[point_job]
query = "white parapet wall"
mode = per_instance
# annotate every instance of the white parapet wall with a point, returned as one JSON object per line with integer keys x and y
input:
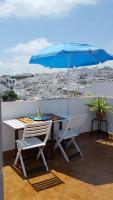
{"x": 11, "y": 110}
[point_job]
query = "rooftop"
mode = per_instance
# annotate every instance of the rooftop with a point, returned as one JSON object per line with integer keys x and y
{"x": 89, "y": 177}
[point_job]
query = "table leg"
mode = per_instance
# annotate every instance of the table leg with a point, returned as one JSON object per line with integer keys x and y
{"x": 92, "y": 126}
{"x": 107, "y": 134}
{"x": 52, "y": 140}
{"x": 16, "y": 137}
{"x": 106, "y": 127}
{"x": 60, "y": 125}
{"x": 98, "y": 125}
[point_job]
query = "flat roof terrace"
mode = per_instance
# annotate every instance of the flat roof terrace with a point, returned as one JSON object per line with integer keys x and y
{"x": 89, "y": 177}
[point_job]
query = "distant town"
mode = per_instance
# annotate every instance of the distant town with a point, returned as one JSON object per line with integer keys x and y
{"x": 85, "y": 82}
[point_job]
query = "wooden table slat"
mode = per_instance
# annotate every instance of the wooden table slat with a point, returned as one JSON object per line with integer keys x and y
{"x": 14, "y": 123}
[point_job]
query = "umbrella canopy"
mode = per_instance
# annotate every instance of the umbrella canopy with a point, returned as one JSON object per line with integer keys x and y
{"x": 69, "y": 55}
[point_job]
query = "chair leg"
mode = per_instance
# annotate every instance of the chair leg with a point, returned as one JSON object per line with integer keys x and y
{"x": 43, "y": 158}
{"x": 23, "y": 166}
{"x": 38, "y": 155}
{"x": 17, "y": 156}
{"x": 57, "y": 143}
{"x": 76, "y": 146}
{"x": 63, "y": 153}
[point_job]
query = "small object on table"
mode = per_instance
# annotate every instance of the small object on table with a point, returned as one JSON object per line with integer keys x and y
{"x": 25, "y": 120}
{"x": 39, "y": 118}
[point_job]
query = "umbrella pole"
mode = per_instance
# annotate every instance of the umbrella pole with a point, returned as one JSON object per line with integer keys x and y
{"x": 68, "y": 83}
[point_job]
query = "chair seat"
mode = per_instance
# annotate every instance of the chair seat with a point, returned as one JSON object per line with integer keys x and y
{"x": 30, "y": 143}
{"x": 70, "y": 133}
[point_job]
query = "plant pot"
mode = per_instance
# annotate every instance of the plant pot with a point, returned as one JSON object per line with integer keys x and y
{"x": 100, "y": 115}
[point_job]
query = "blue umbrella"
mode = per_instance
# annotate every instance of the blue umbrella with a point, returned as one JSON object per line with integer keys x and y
{"x": 69, "y": 55}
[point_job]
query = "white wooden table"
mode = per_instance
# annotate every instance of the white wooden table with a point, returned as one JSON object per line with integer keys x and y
{"x": 17, "y": 125}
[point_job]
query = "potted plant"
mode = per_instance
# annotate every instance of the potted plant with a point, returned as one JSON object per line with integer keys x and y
{"x": 100, "y": 106}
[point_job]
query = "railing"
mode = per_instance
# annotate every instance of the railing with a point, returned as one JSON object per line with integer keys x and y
{"x": 12, "y": 110}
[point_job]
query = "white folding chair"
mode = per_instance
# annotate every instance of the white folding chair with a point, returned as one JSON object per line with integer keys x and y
{"x": 70, "y": 131}
{"x": 30, "y": 140}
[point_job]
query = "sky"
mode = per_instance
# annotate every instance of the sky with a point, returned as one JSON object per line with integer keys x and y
{"x": 26, "y": 26}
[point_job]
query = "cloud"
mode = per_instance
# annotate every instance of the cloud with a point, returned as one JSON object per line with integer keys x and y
{"x": 11, "y": 68}
{"x": 21, "y": 54}
{"x": 36, "y": 8}
{"x": 30, "y": 47}
{"x": 18, "y": 66}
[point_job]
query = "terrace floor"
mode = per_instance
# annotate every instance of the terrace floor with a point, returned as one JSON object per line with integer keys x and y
{"x": 89, "y": 177}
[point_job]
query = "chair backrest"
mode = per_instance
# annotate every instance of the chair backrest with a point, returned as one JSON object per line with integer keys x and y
{"x": 76, "y": 122}
{"x": 37, "y": 129}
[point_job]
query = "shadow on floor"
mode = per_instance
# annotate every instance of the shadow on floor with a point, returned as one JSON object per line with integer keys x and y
{"x": 50, "y": 180}
{"x": 95, "y": 167}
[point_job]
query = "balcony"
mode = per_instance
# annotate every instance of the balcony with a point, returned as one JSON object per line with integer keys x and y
{"x": 89, "y": 177}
